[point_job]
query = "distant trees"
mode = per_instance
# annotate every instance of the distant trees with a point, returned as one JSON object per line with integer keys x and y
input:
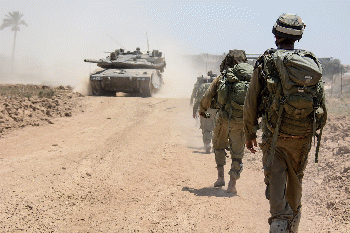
{"x": 332, "y": 66}
{"x": 14, "y": 21}
{"x": 333, "y": 72}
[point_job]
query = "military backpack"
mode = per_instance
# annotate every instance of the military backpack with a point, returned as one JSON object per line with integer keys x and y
{"x": 293, "y": 96}
{"x": 293, "y": 88}
{"x": 233, "y": 88}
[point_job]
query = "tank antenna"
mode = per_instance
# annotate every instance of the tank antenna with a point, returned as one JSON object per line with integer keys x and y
{"x": 116, "y": 41}
{"x": 147, "y": 42}
{"x": 206, "y": 64}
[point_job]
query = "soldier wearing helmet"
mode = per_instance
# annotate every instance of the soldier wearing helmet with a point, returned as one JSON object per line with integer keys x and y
{"x": 286, "y": 139}
{"x": 233, "y": 58}
{"x": 206, "y": 124}
{"x": 196, "y": 86}
{"x": 228, "y": 131}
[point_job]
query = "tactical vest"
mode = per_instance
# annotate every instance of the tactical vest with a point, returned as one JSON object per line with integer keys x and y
{"x": 292, "y": 92}
{"x": 233, "y": 88}
{"x": 202, "y": 89}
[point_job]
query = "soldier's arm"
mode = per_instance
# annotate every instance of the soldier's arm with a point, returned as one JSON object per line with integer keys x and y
{"x": 197, "y": 100}
{"x": 250, "y": 109}
{"x": 208, "y": 96}
{"x": 194, "y": 91}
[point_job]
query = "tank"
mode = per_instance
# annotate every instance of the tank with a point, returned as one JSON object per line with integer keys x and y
{"x": 128, "y": 72}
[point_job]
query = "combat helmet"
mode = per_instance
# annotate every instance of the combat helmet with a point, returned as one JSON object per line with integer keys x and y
{"x": 289, "y": 26}
{"x": 232, "y": 58}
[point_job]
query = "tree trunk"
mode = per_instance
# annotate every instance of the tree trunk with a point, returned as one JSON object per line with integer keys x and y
{"x": 13, "y": 53}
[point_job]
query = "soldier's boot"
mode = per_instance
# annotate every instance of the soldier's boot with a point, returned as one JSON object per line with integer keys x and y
{"x": 231, "y": 188}
{"x": 279, "y": 226}
{"x": 294, "y": 225}
{"x": 221, "y": 177}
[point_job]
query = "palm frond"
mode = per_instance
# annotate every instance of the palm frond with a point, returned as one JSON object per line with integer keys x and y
{"x": 13, "y": 20}
{"x": 22, "y": 22}
{"x": 5, "y": 24}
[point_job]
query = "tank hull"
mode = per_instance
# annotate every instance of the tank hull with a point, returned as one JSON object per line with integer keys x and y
{"x": 109, "y": 81}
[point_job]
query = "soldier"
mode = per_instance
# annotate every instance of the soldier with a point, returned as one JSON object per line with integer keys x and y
{"x": 113, "y": 56}
{"x": 228, "y": 61}
{"x": 228, "y": 131}
{"x": 137, "y": 51}
{"x": 195, "y": 88}
{"x": 206, "y": 124}
{"x": 286, "y": 91}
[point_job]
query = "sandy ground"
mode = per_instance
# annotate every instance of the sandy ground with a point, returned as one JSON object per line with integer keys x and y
{"x": 129, "y": 164}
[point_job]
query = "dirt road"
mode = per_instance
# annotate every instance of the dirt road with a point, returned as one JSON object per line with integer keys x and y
{"x": 125, "y": 165}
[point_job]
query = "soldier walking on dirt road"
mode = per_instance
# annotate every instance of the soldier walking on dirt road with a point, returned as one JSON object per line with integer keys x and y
{"x": 206, "y": 124}
{"x": 286, "y": 92}
{"x": 229, "y": 90}
{"x": 195, "y": 89}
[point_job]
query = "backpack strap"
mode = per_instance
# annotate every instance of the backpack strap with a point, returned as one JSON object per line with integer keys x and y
{"x": 223, "y": 80}
{"x": 229, "y": 109}
{"x": 275, "y": 134}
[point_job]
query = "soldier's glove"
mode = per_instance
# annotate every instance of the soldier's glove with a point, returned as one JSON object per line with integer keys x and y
{"x": 204, "y": 115}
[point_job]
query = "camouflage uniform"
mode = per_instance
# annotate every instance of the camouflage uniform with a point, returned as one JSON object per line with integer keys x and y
{"x": 289, "y": 160}
{"x": 283, "y": 178}
{"x": 228, "y": 133}
{"x": 195, "y": 88}
{"x": 206, "y": 124}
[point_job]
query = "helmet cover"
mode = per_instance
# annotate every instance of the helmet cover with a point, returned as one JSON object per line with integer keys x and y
{"x": 289, "y": 26}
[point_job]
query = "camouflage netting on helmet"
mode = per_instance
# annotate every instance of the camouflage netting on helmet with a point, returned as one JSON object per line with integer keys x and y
{"x": 289, "y": 26}
{"x": 232, "y": 58}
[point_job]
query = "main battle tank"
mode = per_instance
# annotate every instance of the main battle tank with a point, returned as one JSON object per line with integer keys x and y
{"x": 128, "y": 72}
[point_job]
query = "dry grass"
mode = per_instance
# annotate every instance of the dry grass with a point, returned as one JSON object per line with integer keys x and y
{"x": 29, "y": 91}
{"x": 338, "y": 105}
{"x": 338, "y": 94}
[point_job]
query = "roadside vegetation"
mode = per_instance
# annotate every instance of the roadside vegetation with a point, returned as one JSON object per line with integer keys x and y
{"x": 23, "y": 105}
{"x": 30, "y": 91}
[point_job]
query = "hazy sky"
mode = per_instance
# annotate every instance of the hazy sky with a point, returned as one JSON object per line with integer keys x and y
{"x": 60, "y": 34}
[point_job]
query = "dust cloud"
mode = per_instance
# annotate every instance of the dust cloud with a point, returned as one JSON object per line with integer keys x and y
{"x": 181, "y": 71}
{"x": 30, "y": 70}
{"x": 63, "y": 64}
{"x": 84, "y": 87}
{"x": 179, "y": 77}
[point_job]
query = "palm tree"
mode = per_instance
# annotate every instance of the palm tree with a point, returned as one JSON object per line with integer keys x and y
{"x": 13, "y": 20}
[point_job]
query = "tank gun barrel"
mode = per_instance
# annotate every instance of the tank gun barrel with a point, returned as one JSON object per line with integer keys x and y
{"x": 96, "y": 61}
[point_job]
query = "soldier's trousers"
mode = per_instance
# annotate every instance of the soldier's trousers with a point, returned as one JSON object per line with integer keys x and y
{"x": 207, "y": 125}
{"x": 229, "y": 134}
{"x": 283, "y": 178}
